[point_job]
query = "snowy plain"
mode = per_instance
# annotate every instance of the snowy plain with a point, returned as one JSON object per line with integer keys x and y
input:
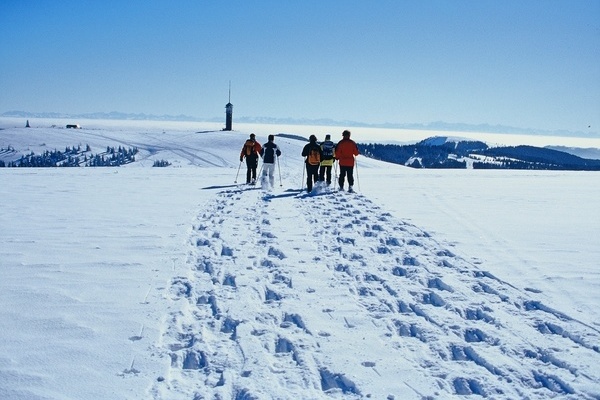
{"x": 179, "y": 283}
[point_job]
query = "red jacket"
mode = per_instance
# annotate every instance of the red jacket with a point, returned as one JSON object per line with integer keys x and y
{"x": 345, "y": 151}
{"x": 256, "y": 149}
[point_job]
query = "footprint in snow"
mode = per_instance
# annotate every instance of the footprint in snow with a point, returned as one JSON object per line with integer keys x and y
{"x": 273, "y": 252}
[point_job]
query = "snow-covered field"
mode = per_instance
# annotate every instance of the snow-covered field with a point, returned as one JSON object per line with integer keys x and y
{"x": 176, "y": 283}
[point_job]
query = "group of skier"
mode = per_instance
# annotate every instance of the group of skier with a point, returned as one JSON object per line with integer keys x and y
{"x": 319, "y": 159}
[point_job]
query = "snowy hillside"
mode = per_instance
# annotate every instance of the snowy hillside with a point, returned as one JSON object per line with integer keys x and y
{"x": 448, "y": 152}
{"x": 176, "y": 283}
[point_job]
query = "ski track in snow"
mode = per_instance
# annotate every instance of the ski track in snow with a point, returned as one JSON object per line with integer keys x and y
{"x": 237, "y": 327}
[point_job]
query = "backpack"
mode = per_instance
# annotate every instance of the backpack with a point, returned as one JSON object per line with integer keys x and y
{"x": 314, "y": 156}
{"x": 249, "y": 147}
{"x": 327, "y": 150}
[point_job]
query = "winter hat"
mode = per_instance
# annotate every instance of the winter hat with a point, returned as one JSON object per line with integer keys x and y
{"x": 312, "y": 138}
{"x": 252, "y": 136}
{"x": 346, "y": 133}
{"x": 327, "y": 137}
{"x": 271, "y": 138}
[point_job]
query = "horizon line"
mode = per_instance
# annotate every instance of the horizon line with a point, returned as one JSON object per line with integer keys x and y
{"x": 435, "y": 125}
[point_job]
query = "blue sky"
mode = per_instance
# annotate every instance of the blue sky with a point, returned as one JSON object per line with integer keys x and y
{"x": 530, "y": 64}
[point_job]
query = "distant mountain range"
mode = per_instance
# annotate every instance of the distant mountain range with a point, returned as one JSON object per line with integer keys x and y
{"x": 446, "y": 152}
{"x": 434, "y": 126}
{"x": 114, "y": 115}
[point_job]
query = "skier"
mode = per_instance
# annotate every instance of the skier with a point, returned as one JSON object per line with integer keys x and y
{"x": 250, "y": 151}
{"x": 268, "y": 153}
{"x": 313, "y": 153}
{"x": 345, "y": 152}
{"x": 328, "y": 149}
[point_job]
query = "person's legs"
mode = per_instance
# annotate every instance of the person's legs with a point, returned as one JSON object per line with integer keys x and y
{"x": 351, "y": 176}
{"x": 342, "y": 177}
{"x": 254, "y": 165}
{"x": 315, "y": 174}
{"x": 270, "y": 172}
{"x": 249, "y": 170}
{"x": 328, "y": 174}
{"x": 309, "y": 178}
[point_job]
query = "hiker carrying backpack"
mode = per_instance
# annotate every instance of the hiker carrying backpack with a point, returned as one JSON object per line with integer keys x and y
{"x": 250, "y": 152}
{"x": 314, "y": 154}
{"x": 328, "y": 148}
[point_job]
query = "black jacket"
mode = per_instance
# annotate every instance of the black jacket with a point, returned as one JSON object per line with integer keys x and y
{"x": 269, "y": 151}
{"x": 312, "y": 145}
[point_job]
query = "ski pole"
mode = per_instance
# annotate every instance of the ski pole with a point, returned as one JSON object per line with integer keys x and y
{"x": 357, "y": 180}
{"x": 259, "y": 176}
{"x": 335, "y": 174}
{"x": 260, "y": 170}
{"x": 238, "y": 172}
{"x": 303, "y": 168}
{"x": 279, "y": 169}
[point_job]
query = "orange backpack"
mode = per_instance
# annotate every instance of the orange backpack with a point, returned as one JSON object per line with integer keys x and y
{"x": 314, "y": 157}
{"x": 249, "y": 147}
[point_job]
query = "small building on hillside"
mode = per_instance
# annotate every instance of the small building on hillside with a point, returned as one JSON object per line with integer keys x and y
{"x": 73, "y": 126}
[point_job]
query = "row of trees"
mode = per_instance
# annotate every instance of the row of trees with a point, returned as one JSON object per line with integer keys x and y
{"x": 531, "y": 157}
{"x": 161, "y": 163}
{"x": 113, "y": 157}
{"x": 6, "y": 152}
{"x": 450, "y": 155}
{"x": 76, "y": 157}
{"x": 416, "y": 156}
